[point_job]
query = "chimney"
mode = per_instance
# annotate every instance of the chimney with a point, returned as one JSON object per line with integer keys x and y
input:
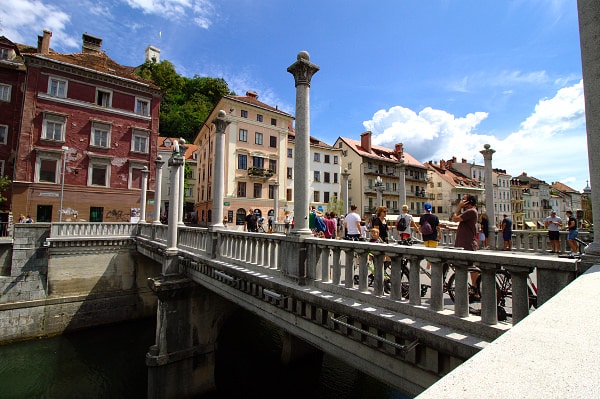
{"x": 252, "y": 94}
{"x": 399, "y": 150}
{"x": 365, "y": 141}
{"x": 90, "y": 44}
{"x": 453, "y": 159}
{"x": 44, "y": 42}
{"x": 464, "y": 160}
{"x": 442, "y": 164}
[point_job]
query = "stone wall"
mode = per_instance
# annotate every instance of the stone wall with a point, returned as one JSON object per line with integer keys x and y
{"x": 71, "y": 285}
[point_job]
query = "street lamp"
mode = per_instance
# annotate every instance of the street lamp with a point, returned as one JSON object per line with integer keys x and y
{"x": 62, "y": 183}
{"x": 379, "y": 189}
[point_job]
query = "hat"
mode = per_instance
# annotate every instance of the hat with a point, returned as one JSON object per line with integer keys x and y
{"x": 427, "y": 206}
{"x": 553, "y": 212}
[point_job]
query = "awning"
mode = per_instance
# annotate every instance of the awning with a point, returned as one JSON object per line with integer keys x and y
{"x": 531, "y": 225}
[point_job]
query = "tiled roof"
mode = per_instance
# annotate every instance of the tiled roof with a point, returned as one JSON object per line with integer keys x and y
{"x": 189, "y": 152}
{"x": 313, "y": 140}
{"x": 453, "y": 177}
{"x": 252, "y": 99}
{"x": 381, "y": 153}
{"x": 97, "y": 61}
{"x": 563, "y": 187}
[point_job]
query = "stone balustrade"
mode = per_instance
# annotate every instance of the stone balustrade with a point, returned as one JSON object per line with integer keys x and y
{"x": 85, "y": 229}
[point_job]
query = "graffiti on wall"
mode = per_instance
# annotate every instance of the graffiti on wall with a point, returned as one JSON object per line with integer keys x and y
{"x": 116, "y": 215}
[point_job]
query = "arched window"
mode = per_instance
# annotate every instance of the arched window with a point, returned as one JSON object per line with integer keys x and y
{"x": 240, "y": 216}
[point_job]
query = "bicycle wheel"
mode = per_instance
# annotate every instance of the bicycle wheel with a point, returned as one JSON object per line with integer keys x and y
{"x": 473, "y": 290}
{"x": 504, "y": 291}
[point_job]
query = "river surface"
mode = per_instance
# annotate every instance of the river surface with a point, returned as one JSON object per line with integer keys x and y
{"x": 109, "y": 362}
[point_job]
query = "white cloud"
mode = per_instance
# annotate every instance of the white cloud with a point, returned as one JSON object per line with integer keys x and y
{"x": 501, "y": 79}
{"x": 550, "y": 144}
{"x": 200, "y": 11}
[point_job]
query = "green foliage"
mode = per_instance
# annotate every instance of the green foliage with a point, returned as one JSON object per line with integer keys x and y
{"x": 186, "y": 102}
{"x": 336, "y": 205}
{"x": 5, "y": 183}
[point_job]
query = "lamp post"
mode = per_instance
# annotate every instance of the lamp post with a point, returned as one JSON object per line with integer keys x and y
{"x": 379, "y": 189}
{"x": 64, "y": 149}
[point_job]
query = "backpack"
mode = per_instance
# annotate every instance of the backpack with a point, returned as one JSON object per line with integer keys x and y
{"x": 402, "y": 223}
{"x": 320, "y": 224}
{"x": 426, "y": 228}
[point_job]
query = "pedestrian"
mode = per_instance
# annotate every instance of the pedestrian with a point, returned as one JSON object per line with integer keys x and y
{"x": 250, "y": 223}
{"x": 28, "y": 219}
{"x": 572, "y": 231}
{"x": 312, "y": 215}
{"x": 270, "y": 223}
{"x": 506, "y": 229}
{"x": 352, "y": 224}
{"x": 363, "y": 230}
{"x": 286, "y": 222}
{"x": 330, "y": 225}
{"x": 466, "y": 216}
{"x": 381, "y": 223}
{"x": 21, "y": 218}
{"x": 429, "y": 226}
{"x": 404, "y": 223}
{"x": 485, "y": 229}
{"x": 553, "y": 223}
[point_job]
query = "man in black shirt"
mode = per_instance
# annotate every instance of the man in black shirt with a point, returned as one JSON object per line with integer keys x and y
{"x": 250, "y": 224}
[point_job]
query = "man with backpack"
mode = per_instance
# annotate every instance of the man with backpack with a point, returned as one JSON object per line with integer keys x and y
{"x": 429, "y": 226}
{"x": 404, "y": 222}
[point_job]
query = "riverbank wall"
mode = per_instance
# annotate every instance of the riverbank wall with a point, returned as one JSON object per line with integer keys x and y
{"x": 83, "y": 283}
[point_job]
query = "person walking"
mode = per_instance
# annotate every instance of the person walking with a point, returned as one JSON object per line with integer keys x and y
{"x": 352, "y": 224}
{"x": 466, "y": 216}
{"x": 572, "y": 231}
{"x": 485, "y": 229}
{"x": 404, "y": 223}
{"x": 429, "y": 226}
{"x": 506, "y": 229}
{"x": 286, "y": 222}
{"x": 251, "y": 222}
{"x": 381, "y": 223}
{"x": 553, "y": 223}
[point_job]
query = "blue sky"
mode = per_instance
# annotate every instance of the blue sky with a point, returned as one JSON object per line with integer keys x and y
{"x": 444, "y": 77}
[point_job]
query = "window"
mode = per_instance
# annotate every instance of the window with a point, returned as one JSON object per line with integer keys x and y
{"x": 54, "y": 127}
{"x": 257, "y": 190}
{"x": 100, "y": 135}
{"x": 47, "y": 167}
{"x": 326, "y": 160}
{"x": 244, "y": 113}
{"x": 241, "y": 189}
{"x": 340, "y": 145}
{"x": 272, "y": 191}
{"x": 103, "y": 97}
{"x": 288, "y": 194}
{"x": 135, "y": 172}
{"x": 96, "y": 213}
{"x": 349, "y": 165}
{"x": 258, "y": 162}
{"x": 273, "y": 141}
{"x": 326, "y": 197}
{"x": 57, "y": 87}
{"x": 258, "y": 138}
{"x": 243, "y": 135}
{"x": 99, "y": 172}
{"x": 259, "y": 118}
{"x": 189, "y": 191}
{"x": 369, "y": 165}
{"x": 242, "y": 161}
{"x": 290, "y": 153}
{"x": 335, "y": 159}
{"x": 139, "y": 141}
{"x": 3, "y": 53}
{"x": 3, "y": 134}
{"x": 335, "y": 177}
{"x": 317, "y": 157}
{"x": 5, "y": 92}
{"x": 289, "y": 173}
{"x": 273, "y": 165}
{"x": 273, "y": 122}
{"x": 316, "y": 196}
{"x": 142, "y": 107}
{"x": 349, "y": 185}
{"x": 326, "y": 178}
{"x": 317, "y": 176}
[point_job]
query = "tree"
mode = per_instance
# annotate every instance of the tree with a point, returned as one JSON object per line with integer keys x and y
{"x": 5, "y": 183}
{"x": 187, "y": 102}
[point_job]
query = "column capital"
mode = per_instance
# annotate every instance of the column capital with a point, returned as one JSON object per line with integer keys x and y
{"x": 159, "y": 162}
{"x": 487, "y": 152}
{"x": 303, "y": 70}
{"x": 145, "y": 172}
{"x": 221, "y": 121}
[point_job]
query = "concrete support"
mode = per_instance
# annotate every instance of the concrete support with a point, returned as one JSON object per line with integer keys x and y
{"x": 145, "y": 173}
{"x": 170, "y": 259}
{"x": 401, "y": 183}
{"x": 589, "y": 34}
{"x": 158, "y": 189}
{"x": 303, "y": 70}
{"x": 221, "y": 124}
{"x": 181, "y": 199}
{"x": 487, "y": 153}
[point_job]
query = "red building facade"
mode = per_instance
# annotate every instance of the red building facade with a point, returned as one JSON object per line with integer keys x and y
{"x": 89, "y": 126}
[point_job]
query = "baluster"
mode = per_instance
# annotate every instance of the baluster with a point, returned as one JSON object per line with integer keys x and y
{"x": 273, "y": 257}
{"x": 337, "y": 269}
{"x": 489, "y": 298}
{"x": 461, "y": 288}
{"x": 414, "y": 277}
{"x": 436, "y": 302}
{"x": 378, "y": 273}
{"x": 396, "y": 291}
{"x": 363, "y": 270}
{"x": 325, "y": 263}
{"x": 349, "y": 268}
{"x": 520, "y": 293}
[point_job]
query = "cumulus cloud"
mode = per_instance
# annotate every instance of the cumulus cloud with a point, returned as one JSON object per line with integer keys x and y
{"x": 200, "y": 11}
{"x": 550, "y": 144}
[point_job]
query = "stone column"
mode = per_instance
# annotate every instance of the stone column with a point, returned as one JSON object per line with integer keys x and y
{"x": 345, "y": 176}
{"x": 170, "y": 258}
{"x": 487, "y": 153}
{"x": 589, "y": 34}
{"x": 158, "y": 189}
{"x": 303, "y": 70}
{"x": 145, "y": 173}
{"x": 181, "y": 200}
{"x": 218, "y": 185}
{"x": 401, "y": 183}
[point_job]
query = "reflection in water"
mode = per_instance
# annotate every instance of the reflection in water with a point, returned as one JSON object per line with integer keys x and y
{"x": 109, "y": 362}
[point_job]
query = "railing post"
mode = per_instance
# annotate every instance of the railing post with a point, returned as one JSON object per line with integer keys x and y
{"x": 378, "y": 273}
{"x": 520, "y": 293}
{"x": 489, "y": 299}
{"x": 349, "y": 268}
{"x": 436, "y": 302}
{"x": 414, "y": 277}
{"x": 461, "y": 288}
{"x": 337, "y": 270}
{"x": 396, "y": 291}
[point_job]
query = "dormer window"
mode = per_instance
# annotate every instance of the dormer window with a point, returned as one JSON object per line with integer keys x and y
{"x": 3, "y": 53}
{"x": 103, "y": 97}
{"x": 167, "y": 143}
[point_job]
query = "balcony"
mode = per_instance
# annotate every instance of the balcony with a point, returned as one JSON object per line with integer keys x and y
{"x": 259, "y": 173}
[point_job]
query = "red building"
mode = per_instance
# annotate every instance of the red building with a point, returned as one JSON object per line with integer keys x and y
{"x": 88, "y": 126}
